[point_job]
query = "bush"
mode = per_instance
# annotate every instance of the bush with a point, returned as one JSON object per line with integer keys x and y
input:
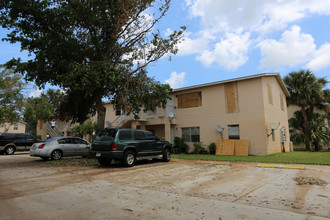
{"x": 212, "y": 148}
{"x": 180, "y": 146}
{"x": 198, "y": 148}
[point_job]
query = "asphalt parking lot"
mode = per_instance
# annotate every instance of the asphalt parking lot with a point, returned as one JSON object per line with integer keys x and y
{"x": 30, "y": 189}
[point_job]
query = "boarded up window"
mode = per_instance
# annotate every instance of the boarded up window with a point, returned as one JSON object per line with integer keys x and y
{"x": 270, "y": 94}
{"x": 190, "y": 100}
{"x": 231, "y": 93}
{"x": 282, "y": 102}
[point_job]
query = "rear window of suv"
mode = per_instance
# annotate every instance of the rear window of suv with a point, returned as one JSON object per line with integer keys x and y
{"x": 107, "y": 134}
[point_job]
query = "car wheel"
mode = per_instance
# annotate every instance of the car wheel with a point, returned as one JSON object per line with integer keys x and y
{"x": 129, "y": 159}
{"x": 56, "y": 155}
{"x": 10, "y": 150}
{"x": 104, "y": 161}
{"x": 166, "y": 155}
{"x": 44, "y": 158}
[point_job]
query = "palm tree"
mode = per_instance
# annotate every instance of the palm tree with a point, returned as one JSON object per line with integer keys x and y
{"x": 307, "y": 92}
{"x": 318, "y": 128}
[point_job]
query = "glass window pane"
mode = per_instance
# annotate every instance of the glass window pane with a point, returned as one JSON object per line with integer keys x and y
{"x": 233, "y": 132}
{"x": 125, "y": 135}
{"x": 139, "y": 135}
{"x": 185, "y": 131}
{"x": 195, "y": 131}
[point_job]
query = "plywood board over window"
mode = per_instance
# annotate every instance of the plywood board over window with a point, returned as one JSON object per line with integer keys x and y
{"x": 189, "y": 100}
{"x": 282, "y": 101}
{"x": 270, "y": 94}
{"x": 231, "y": 93}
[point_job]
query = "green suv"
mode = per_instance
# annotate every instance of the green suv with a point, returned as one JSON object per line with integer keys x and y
{"x": 128, "y": 145}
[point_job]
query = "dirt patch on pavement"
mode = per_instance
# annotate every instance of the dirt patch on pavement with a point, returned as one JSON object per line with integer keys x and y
{"x": 304, "y": 180}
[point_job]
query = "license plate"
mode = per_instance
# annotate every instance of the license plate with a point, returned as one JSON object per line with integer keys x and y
{"x": 98, "y": 154}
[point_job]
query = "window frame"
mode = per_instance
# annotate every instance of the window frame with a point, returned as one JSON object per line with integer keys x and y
{"x": 188, "y": 132}
{"x": 233, "y": 136}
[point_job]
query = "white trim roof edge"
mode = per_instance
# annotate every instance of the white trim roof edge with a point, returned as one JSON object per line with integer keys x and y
{"x": 277, "y": 75}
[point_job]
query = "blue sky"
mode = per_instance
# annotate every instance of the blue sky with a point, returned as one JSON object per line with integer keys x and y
{"x": 228, "y": 39}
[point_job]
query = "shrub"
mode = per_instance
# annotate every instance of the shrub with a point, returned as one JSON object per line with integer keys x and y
{"x": 212, "y": 148}
{"x": 198, "y": 148}
{"x": 180, "y": 146}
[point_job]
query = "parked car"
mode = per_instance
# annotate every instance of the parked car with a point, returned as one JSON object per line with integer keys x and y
{"x": 11, "y": 142}
{"x": 59, "y": 147}
{"x": 128, "y": 145}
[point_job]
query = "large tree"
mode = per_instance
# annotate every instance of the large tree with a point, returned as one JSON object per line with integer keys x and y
{"x": 308, "y": 93}
{"x": 93, "y": 49}
{"x": 36, "y": 108}
{"x": 11, "y": 96}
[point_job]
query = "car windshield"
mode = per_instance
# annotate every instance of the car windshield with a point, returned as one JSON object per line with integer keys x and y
{"x": 107, "y": 134}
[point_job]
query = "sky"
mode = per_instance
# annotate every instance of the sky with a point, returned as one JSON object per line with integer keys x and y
{"x": 227, "y": 39}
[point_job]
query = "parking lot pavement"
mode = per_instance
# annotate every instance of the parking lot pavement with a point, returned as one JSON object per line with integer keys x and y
{"x": 30, "y": 189}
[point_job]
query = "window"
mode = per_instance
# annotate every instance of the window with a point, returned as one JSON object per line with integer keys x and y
{"x": 79, "y": 141}
{"x": 16, "y": 127}
{"x": 270, "y": 94}
{"x": 65, "y": 141}
{"x": 282, "y": 101}
{"x": 231, "y": 93}
{"x": 118, "y": 111}
{"x": 190, "y": 100}
{"x": 20, "y": 137}
{"x": 233, "y": 132}
{"x": 139, "y": 135}
{"x": 125, "y": 135}
{"x": 190, "y": 134}
{"x": 30, "y": 138}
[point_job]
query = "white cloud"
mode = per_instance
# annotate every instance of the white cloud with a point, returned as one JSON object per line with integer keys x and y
{"x": 36, "y": 93}
{"x": 261, "y": 21}
{"x": 293, "y": 48}
{"x": 176, "y": 80}
{"x": 229, "y": 53}
{"x": 256, "y": 15}
{"x": 321, "y": 58}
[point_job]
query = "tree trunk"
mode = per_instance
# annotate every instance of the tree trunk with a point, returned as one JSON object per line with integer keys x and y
{"x": 306, "y": 129}
{"x": 100, "y": 114}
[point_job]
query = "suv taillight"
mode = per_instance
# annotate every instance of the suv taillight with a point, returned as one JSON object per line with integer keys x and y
{"x": 41, "y": 146}
{"x": 114, "y": 146}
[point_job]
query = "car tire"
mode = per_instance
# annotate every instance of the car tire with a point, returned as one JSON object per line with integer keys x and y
{"x": 10, "y": 150}
{"x": 44, "y": 158}
{"x": 129, "y": 159}
{"x": 104, "y": 161}
{"x": 166, "y": 155}
{"x": 56, "y": 155}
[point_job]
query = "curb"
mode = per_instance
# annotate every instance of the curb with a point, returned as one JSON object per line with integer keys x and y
{"x": 283, "y": 166}
{"x": 201, "y": 162}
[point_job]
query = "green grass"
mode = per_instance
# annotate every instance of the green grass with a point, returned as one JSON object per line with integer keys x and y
{"x": 299, "y": 157}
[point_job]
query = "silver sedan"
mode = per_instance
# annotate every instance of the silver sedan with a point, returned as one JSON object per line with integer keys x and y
{"x": 59, "y": 147}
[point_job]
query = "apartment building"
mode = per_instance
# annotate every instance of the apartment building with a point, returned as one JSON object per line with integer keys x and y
{"x": 18, "y": 127}
{"x": 248, "y": 108}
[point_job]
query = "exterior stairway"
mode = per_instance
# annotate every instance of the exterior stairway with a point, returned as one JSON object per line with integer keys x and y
{"x": 53, "y": 132}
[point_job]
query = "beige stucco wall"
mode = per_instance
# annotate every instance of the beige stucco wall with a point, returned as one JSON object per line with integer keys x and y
{"x": 274, "y": 114}
{"x": 20, "y": 128}
{"x": 250, "y": 117}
